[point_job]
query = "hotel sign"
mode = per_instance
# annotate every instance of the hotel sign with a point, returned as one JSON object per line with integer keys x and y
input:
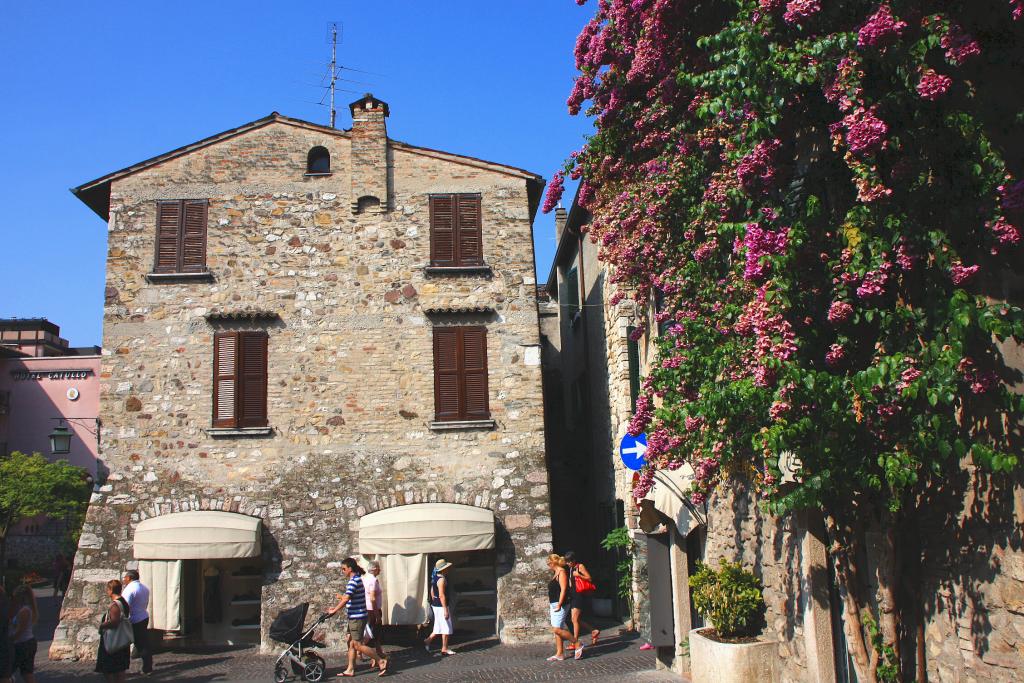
{"x": 20, "y": 375}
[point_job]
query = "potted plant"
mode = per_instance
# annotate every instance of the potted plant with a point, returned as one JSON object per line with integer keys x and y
{"x": 729, "y": 651}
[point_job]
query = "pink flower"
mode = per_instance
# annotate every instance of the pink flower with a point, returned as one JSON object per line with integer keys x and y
{"x": 799, "y": 11}
{"x": 555, "y": 190}
{"x": 835, "y": 355}
{"x": 961, "y": 274}
{"x": 778, "y": 409}
{"x": 865, "y": 132}
{"x": 873, "y": 284}
{"x": 881, "y": 29}
{"x": 933, "y": 85}
{"x": 1018, "y": 9}
{"x": 839, "y": 312}
{"x": 642, "y": 415}
{"x": 1006, "y": 233}
{"x": 772, "y": 5}
{"x": 756, "y": 171}
{"x": 908, "y": 376}
{"x": 705, "y": 251}
{"x": 759, "y": 243}
{"x": 959, "y": 46}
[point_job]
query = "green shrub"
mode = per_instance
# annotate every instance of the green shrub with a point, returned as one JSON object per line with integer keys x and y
{"x": 729, "y": 598}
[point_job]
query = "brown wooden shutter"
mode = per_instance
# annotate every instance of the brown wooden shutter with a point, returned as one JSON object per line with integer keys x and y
{"x": 168, "y": 233}
{"x": 193, "y": 237}
{"x": 252, "y": 402}
{"x": 474, "y": 373}
{"x": 470, "y": 250}
{"x": 225, "y": 379}
{"x": 446, "y": 374}
{"x": 442, "y": 230}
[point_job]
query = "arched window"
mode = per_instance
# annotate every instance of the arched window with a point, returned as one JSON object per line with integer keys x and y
{"x": 318, "y": 161}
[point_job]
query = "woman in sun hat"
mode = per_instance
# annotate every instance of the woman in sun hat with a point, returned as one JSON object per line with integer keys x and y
{"x": 440, "y": 605}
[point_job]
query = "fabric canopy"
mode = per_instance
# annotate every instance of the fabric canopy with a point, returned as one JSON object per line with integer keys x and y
{"x": 405, "y": 589}
{"x": 671, "y": 488}
{"x": 163, "y": 577}
{"x": 426, "y": 528}
{"x": 197, "y": 535}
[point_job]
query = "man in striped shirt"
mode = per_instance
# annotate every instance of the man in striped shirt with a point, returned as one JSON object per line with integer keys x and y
{"x": 354, "y": 602}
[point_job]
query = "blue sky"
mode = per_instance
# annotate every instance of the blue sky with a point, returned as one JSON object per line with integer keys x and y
{"x": 90, "y": 88}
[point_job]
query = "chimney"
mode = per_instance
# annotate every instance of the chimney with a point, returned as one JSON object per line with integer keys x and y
{"x": 561, "y": 216}
{"x": 369, "y": 166}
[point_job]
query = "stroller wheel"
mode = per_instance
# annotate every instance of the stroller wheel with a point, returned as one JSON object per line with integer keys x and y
{"x": 280, "y": 673}
{"x": 314, "y": 667}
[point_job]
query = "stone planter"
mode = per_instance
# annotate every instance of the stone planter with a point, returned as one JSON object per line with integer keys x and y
{"x": 715, "y": 662}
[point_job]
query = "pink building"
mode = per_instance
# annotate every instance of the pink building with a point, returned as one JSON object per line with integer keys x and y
{"x": 46, "y": 384}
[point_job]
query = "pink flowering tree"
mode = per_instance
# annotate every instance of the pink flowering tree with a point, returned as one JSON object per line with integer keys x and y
{"x": 826, "y": 201}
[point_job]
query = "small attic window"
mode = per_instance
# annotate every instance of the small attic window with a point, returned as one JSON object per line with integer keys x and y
{"x": 318, "y": 162}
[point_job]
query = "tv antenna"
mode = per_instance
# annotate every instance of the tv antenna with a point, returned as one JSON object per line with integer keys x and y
{"x": 334, "y": 67}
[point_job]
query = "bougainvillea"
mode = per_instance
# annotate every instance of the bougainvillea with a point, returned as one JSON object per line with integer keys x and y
{"x": 821, "y": 200}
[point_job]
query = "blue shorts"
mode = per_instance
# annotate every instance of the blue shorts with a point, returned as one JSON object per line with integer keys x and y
{"x": 559, "y": 616}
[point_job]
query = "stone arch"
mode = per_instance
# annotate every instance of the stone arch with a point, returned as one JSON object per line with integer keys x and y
{"x": 233, "y": 503}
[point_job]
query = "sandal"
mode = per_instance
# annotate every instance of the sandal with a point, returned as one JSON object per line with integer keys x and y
{"x": 579, "y": 652}
{"x": 383, "y": 668}
{"x": 555, "y": 658}
{"x": 447, "y": 653}
{"x": 593, "y": 636}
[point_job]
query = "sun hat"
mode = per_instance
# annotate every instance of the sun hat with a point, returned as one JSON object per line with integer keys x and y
{"x": 441, "y": 565}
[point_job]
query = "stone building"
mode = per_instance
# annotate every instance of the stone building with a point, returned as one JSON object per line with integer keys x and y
{"x": 970, "y": 580}
{"x": 317, "y": 343}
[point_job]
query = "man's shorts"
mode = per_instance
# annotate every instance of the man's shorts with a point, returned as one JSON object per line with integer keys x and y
{"x": 356, "y": 628}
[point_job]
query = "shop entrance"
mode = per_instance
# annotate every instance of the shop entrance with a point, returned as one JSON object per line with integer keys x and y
{"x": 408, "y": 540}
{"x": 205, "y": 576}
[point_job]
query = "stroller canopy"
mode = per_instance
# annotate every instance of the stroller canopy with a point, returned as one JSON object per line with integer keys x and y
{"x": 287, "y": 625}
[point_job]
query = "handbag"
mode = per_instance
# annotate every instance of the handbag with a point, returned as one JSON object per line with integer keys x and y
{"x": 120, "y": 637}
{"x": 582, "y": 585}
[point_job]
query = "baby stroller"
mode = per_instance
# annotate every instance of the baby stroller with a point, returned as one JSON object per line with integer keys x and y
{"x": 305, "y": 664}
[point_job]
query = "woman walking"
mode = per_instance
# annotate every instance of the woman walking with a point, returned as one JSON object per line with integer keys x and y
{"x": 113, "y": 665}
{"x": 440, "y": 605}
{"x": 578, "y": 603}
{"x": 25, "y": 614}
{"x": 558, "y": 596}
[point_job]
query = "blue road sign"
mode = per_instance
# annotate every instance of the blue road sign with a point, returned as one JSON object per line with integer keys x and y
{"x": 633, "y": 451}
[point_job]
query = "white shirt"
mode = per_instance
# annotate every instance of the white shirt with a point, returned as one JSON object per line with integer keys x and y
{"x": 373, "y": 591}
{"x": 137, "y": 597}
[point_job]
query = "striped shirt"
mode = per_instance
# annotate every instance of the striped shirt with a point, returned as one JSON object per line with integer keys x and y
{"x": 355, "y": 608}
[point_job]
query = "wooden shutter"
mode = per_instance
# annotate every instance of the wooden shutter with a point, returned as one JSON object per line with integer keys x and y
{"x": 474, "y": 373}
{"x": 193, "y": 237}
{"x": 469, "y": 250}
{"x": 225, "y": 379}
{"x": 168, "y": 232}
{"x": 442, "y": 230}
{"x": 252, "y": 402}
{"x": 446, "y": 374}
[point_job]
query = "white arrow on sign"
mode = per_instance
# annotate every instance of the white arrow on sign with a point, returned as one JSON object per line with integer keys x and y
{"x": 637, "y": 449}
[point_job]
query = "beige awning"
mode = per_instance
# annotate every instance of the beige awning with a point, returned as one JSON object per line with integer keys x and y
{"x": 671, "y": 488}
{"x": 426, "y": 528}
{"x": 197, "y": 535}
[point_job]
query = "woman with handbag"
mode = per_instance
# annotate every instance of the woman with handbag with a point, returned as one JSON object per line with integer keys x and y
{"x": 581, "y": 585}
{"x": 112, "y": 659}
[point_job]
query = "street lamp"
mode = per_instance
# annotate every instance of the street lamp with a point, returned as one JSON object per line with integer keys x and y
{"x": 60, "y": 440}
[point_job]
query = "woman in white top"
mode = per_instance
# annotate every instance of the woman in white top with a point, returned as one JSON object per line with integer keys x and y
{"x": 26, "y": 614}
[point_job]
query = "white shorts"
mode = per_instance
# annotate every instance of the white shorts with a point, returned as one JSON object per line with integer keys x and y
{"x": 442, "y": 626}
{"x": 558, "y": 615}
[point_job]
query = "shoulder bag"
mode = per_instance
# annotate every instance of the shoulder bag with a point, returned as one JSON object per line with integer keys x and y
{"x": 121, "y": 636}
{"x": 582, "y": 585}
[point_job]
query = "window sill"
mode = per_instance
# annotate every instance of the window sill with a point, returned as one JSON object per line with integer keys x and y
{"x": 218, "y": 432}
{"x": 317, "y": 175}
{"x": 484, "y": 270}
{"x": 205, "y": 276}
{"x": 454, "y": 425}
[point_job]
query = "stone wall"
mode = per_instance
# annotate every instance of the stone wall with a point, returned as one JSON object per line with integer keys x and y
{"x": 971, "y": 580}
{"x": 350, "y": 387}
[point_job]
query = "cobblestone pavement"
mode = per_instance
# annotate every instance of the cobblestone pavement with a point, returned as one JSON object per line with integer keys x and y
{"x": 615, "y": 659}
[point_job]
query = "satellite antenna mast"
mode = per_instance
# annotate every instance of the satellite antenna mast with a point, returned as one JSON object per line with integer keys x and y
{"x": 334, "y": 67}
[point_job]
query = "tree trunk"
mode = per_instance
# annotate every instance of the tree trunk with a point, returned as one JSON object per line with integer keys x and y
{"x": 888, "y": 589}
{"x": 844, "y": 554}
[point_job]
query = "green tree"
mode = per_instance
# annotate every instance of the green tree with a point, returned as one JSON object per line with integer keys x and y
{"x": 31, "y": 485}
